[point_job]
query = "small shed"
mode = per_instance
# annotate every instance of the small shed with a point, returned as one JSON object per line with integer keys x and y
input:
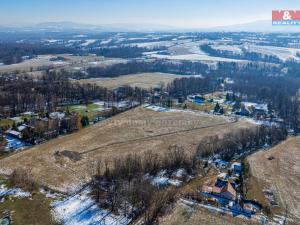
{"x": 236, "y": 168}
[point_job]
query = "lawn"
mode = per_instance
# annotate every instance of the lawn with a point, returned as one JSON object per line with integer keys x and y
{"x": 206, "y": 107}
{"x": 6, "y": 122}
{"x": 28, "y": 117}
{"x": 90, "y": 110}
{"x": 35, "y": 211}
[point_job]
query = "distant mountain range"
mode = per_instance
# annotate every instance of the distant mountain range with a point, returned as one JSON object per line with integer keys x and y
{"x": 104, "y": 27}
{"x": 257, "y": 26}
{"x": 71, "y": 26}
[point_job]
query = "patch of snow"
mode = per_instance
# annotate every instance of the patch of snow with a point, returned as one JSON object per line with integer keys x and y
{"x": 81, "y": 209}
{"x": 57, "y": 115}
{"x": 77, "y": 68}
{"x": 80, "y": 107}
{"x": 105, "y": 41}
{"x": 100, "y": 103}
{"x": 52, "y": 41}
{"x": 73, "y": 41}
{"x": 228, "y": 80}
{"x": 89, "y": 42}
{"x": 198, "y": 76}
{"x": 60, "y": 63}
{"x": 162, "y": 180}
{"x": 175, "y": 182}
{"x": 108, "y": 62}
{"x": 15, "y": 192}
{"x": 49, "y": 194}
{"x": 179, "y": 173}
{"x": 156, "y": 108}
{"x": 256, "y": 105}
{"x": 195, "y": 112}
{"x": 151, "y": 45}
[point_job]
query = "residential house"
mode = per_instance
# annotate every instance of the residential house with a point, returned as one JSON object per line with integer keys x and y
{"x": 221, "y": 188}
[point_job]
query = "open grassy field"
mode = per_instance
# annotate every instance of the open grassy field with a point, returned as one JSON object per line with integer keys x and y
{"x": 182, "y": 214}
{"x": 278, "y": 170}
{"x": 89, "y": 110}
{"x": 135, "y": 131}
{"x": 142, "y": 80}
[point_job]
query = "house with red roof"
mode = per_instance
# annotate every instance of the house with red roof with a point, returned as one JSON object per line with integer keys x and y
{"x": 222, "y": 189}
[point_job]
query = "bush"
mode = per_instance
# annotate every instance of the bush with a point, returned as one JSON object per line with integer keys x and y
{"x": 23, "y": 179}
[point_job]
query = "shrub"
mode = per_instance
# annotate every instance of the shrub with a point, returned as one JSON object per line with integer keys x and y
{"x": 23, "y": 179}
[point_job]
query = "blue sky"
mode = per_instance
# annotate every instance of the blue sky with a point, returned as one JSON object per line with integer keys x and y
{"x": 176, "y": 13}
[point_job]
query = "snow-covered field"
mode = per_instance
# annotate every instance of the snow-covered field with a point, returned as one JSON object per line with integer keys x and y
{"x": 153, "y": 44}
{"x": 195, "y": 57}
{"x": 104, "y": 42}
{"x": 107, "y": 62}
{"x": 52, "y": 40}
{"x": 81, "y": 209}
{"x": 282, "y": 53}
{"x": 230, "y": 48}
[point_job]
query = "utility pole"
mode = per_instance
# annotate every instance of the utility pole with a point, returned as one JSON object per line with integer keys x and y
{"x": 285, "y": 216}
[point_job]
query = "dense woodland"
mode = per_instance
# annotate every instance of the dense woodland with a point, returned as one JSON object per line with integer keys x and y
{"x": 244, "y": 55}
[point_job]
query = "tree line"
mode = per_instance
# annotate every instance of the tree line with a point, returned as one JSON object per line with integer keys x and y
{"x": 241, "y": 141}
{"x": 11, "y": 53}
{"x": 20, "y": 94}
{"x": 122, "y": 182}
{"x": 123, "y": 51}
{"x": 244, "y": 55}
